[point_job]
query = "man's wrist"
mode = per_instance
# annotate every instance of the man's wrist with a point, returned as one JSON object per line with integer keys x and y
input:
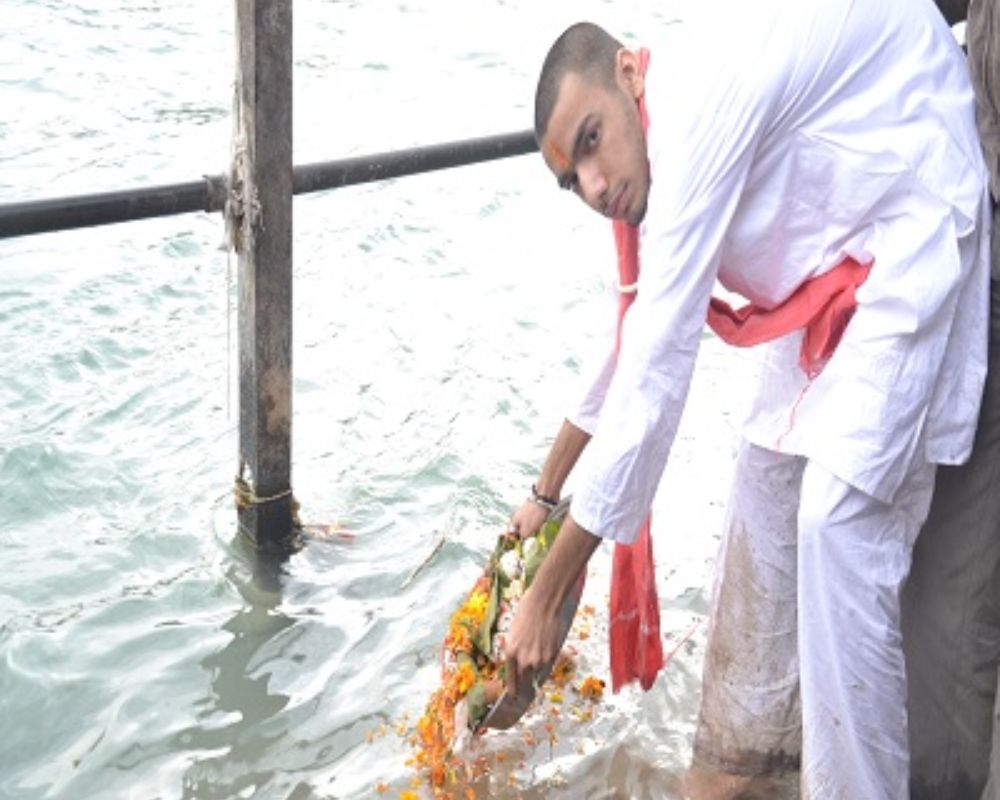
{"x": 561, "y": 568}
{"x": 543, "y": 499}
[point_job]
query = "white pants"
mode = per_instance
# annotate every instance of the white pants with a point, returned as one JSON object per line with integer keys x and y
{"x": 804, "y": 656}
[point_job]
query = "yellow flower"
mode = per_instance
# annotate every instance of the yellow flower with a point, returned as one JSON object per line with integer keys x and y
{"x": 466, "y": 677}
{"x": 476, "y": 605}
{"x": 458, "y": 640}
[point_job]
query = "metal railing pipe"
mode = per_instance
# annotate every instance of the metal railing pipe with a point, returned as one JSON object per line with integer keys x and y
{"x": 209, "y": 194}
{"x": 366, "y": 169}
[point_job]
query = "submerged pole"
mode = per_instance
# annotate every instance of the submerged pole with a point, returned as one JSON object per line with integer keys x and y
{"x": 261, "y": 224}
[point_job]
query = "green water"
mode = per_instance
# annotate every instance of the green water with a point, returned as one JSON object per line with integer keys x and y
{"x": 440, "y": 325}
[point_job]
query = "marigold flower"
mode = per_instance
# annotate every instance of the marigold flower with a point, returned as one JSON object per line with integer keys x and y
{"x": 592, "y": 688}
{"x": 459, "y": 638}
{"x": 466, "y": 677}
{"x": 476, "y": 605}
{"x": 464, "y": 667}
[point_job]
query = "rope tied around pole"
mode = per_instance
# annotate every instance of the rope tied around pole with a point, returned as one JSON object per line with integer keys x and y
{"x": 237, "y": 205}
{"x": 241, "y": 210}
{"x": 247, "y": 498}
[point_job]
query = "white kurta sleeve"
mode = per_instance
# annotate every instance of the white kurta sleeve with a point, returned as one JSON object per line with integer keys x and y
{"x": 585, "y": 414}
{"x": 596, "y": 374}
{"x": 700, "y": 154}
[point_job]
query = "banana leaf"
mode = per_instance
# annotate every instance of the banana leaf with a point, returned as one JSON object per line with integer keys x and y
{"x": 546, "y": 536}
{"x": 483, "y": 640}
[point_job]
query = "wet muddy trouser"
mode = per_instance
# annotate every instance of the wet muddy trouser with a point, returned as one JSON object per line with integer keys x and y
{"x": 951, "y": 611}
{"x": 802, "y": 593}
{"x": 804, "y": 661}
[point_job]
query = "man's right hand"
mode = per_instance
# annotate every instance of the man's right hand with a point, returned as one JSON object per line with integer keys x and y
{"x": 528, "y": 519}
{"x": 566, "y": 449}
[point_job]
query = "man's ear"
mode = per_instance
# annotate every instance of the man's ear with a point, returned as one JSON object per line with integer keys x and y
{"x": 628, "y": 74}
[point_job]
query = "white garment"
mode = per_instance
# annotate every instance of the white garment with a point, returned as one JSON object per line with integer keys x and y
{"x": 784, "y": 135}
{"x": 800, "y": 538}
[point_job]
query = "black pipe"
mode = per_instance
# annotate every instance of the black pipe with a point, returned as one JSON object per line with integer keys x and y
{"x": 365, "y": 169}
{"x": 209, "y": 194}
{"x": 82, "y": 211}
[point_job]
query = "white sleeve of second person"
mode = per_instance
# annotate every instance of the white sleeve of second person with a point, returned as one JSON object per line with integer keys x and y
{"x": 699, "y": 162}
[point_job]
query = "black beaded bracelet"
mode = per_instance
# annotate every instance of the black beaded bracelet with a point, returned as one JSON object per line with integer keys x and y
{"x": 545, "y": 502}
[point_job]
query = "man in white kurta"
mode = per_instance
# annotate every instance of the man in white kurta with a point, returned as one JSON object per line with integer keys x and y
{"x": 794, "y": 134}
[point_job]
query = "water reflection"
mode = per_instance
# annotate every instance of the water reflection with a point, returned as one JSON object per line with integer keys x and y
{"x": 241, "y": 685}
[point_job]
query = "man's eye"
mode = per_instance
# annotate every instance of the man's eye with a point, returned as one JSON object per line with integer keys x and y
{"x": 593, "y": 135}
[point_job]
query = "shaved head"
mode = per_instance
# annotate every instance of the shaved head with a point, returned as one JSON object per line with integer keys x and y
{"x": 584, "y": 49}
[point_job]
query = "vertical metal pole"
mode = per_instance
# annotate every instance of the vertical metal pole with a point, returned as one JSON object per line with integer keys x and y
{"x": 263, "y": 178}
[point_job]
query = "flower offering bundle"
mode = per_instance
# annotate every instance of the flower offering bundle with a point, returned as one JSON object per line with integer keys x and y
{"x": 471, "y": 696}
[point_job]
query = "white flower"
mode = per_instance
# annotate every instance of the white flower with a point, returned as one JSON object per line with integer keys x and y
{"x": 496, "y": 652}
{"x": 515, "y": 590}
{"x": 504, "y": 619}
{"x": 511, "y": 564}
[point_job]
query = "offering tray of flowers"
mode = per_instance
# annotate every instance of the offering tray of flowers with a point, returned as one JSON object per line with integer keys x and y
{"x": 472, "y": 694}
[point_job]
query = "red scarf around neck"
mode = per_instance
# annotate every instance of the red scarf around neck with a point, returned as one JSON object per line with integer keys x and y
{"x": 634, "y": 617}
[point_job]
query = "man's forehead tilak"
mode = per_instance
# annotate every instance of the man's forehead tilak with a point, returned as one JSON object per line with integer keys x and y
{"x": 556, "y": 156}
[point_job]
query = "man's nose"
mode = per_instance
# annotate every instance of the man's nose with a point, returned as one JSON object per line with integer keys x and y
{"x": 593, "y": 186}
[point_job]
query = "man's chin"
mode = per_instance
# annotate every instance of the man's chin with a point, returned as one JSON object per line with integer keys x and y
{"x": 636, "y": 217}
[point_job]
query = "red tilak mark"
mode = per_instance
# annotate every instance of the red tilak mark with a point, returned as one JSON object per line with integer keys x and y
{"x": 557, "y": 156}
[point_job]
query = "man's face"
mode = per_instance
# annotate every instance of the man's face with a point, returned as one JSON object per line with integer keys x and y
{"x": 595, "y": 145}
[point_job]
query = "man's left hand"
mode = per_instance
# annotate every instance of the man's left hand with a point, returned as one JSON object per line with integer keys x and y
{"x": 534, "y": 638}
{"x": 532, "y": 644}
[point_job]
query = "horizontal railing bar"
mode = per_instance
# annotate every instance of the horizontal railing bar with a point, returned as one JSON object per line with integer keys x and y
{"x": 209, "y": 194}
{"x": 83, "y": 211}
{"x": 366, "y": 169}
